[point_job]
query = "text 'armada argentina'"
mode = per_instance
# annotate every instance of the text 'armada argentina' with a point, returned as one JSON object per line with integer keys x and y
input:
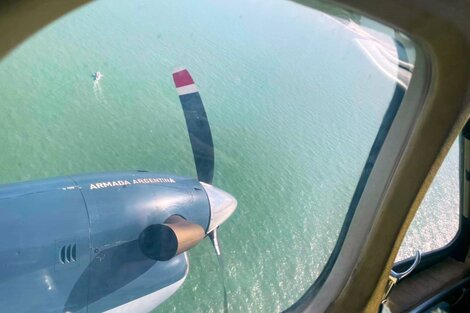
{"x": 120, "y": 183}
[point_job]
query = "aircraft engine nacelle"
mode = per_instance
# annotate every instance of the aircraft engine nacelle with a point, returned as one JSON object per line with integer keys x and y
{"x": 110, "y": 242}
{"x": 102, "y": 242}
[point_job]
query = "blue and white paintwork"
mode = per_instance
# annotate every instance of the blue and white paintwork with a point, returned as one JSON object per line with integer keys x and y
{"x": 71, "y": 244}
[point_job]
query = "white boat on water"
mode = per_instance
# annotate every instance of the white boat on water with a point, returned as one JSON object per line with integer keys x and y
{"x": 97, "y": 76}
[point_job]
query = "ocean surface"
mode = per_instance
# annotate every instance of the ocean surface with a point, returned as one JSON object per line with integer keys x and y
{"x": 294, "y": 105}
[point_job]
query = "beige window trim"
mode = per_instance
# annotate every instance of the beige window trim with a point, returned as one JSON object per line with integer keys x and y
{"x": 432, "y": 114}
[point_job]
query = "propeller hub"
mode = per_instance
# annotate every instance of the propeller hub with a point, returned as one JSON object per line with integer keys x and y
{"x": 222, "y": 205}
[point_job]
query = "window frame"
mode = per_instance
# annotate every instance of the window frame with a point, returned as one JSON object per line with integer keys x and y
{"x": 426, "y": 125}
{"x": 440, "y": 115}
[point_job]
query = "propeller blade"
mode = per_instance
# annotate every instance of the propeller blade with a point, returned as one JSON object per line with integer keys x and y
{"x": 197, "y": 124}
{"x": 203, "y": 149}
{"x": 215, "y": 242}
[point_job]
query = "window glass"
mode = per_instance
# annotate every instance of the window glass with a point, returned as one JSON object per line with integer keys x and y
{"x": 294, "y": 96}
{"x": 437, "y": 220}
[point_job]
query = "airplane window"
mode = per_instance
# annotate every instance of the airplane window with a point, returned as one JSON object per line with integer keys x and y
{"x": 132, "y": 130}
{"x": 437, "y": 220}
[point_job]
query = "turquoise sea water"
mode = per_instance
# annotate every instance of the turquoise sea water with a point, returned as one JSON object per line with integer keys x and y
{"x": 294, "y": 106}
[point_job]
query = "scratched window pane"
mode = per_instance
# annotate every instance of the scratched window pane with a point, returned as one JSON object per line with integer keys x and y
{"x": 132, "y": 130}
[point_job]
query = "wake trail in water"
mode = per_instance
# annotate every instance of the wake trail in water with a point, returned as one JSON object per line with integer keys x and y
{"x": 99, "y": 92}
